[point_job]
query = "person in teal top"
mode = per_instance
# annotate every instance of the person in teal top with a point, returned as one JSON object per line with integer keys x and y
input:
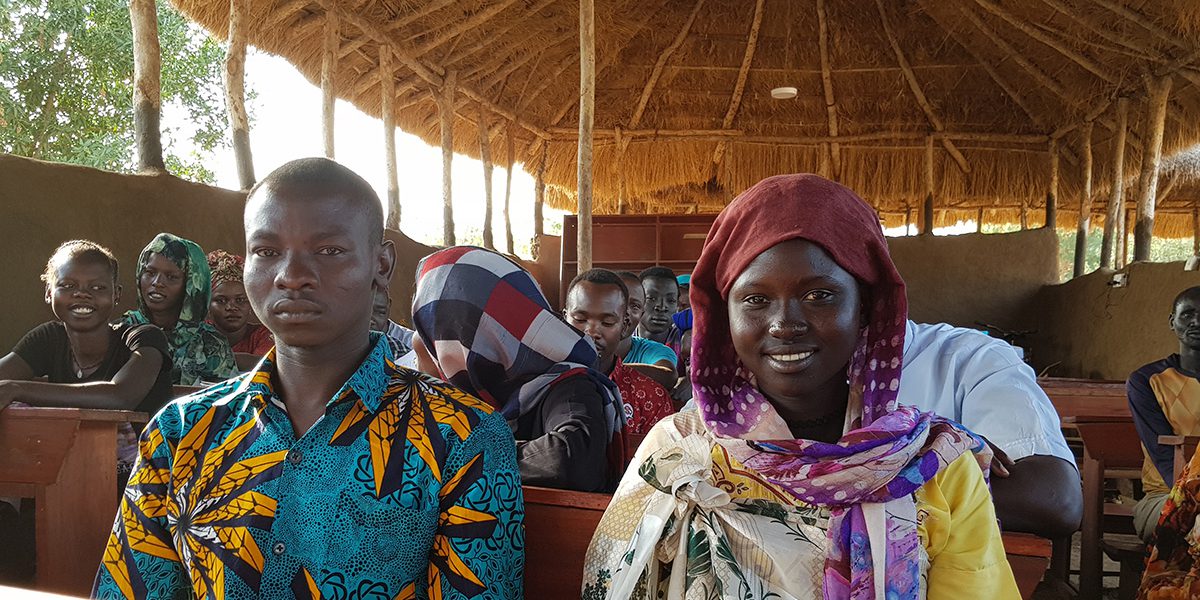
{"x": 174, "y": 290}
{"x": 329, "y": 471}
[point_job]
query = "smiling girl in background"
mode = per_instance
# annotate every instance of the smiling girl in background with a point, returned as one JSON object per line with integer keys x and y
{"x": 173, "y": 293}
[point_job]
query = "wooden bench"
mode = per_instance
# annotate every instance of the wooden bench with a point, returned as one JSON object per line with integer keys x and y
{"x": 66, "y": 459}
{"x": 559, "y": 525}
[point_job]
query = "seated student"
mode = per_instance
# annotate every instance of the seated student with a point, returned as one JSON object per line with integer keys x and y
{"x": 382, "y": 322}
{"x": 648, "y": 357}
{"x": 230, "y": 311}
{"x": 1164, "y": 397}
{"x": 328, "y": 471}
{"x": 1173, "y": 572}
{"x": 596, "y": 305}
{"x": 981, "y": 382}
{"x": 174, "y": 287}
{"x": 662, "y": 301}
{"x": 87, "y": 362}
{"x": 487, "y": 329}
{"x": 800, "y": 476}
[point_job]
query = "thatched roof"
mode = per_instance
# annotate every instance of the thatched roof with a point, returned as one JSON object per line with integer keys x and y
{"x": 686, "y": 86}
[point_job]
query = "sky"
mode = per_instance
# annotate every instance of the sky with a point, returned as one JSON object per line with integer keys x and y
{"x": 286, "y": 124}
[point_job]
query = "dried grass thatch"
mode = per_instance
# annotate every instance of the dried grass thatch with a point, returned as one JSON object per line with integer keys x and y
{"x": 684, "y": 113}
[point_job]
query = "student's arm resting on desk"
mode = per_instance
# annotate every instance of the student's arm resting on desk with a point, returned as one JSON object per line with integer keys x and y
{"x": 124, "y": 392}
{"x": 572, "y": 452}
{"x": 1150, "y": 422}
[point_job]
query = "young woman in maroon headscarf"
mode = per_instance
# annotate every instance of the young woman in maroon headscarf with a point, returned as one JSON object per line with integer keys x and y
{"x": 799, "y": 476}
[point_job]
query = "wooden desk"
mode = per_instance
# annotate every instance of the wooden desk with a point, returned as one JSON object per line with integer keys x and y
{"x": 1086, "y": 397}
{"x": 66, "y": 459}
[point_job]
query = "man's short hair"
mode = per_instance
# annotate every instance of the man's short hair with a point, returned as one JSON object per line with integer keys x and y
{"x": 629, "y": 276}
{"x": 600, "y": 277}
{"x": 1192, "y": 292}
{"x": 324, "y": 177}
{"x": 82, "y": 250}
{"x": 658, "y": 272}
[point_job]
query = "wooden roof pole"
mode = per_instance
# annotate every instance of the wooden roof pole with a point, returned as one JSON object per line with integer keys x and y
{"x": 1127, "y": 217}
{"x": 1117, "y": 196}
{"x": 622, "y": 189}
{"x": 328, "y": 73}
{"x": 739, "y": 86}
{"x": 587, "y": 114}
{"x": 539, "y": 188}
{"x": 387, "y": 93}
{"x": 147, "y": 89}
{"x": 1088, "y": 64}
{"x": 1196, "y": 231}
{"x": 398, "y": 23}
{"x": 907, "y": 219}
{"x": 1010, "y": 52}
{"x": 979, "y": 221}
{"x": 927, "y": 208}
{"x": 235, "y": 93}
{"x": 445, "y": 102}
{"x": 485, "y": 157}
{"x": 1145, "y": 22}
{"x": 1085, "y": 202}
{"x": 467, "y": 24}
{"x": 915, "y": 87}
{"x": 510, "y": 158}
{"x": 835, "y": 152}
{"x": 1158, "y": 92}
{"x": 1052, "y": 190}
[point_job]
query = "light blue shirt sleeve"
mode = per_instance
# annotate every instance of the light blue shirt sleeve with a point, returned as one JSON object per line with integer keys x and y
{"x": 649, "y": 352}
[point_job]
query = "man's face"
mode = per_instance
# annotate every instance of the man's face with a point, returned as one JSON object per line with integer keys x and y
{"x": 637, "y": 306}
{"x": 684, "y": 301}
{"x": 599, "y": 311}
{"x": 662, "y": 301}
{"x": 311, "y": 266}
{"x": 1185, "y": 322}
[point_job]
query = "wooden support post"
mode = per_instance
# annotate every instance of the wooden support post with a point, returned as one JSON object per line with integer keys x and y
{"x": 907, "y": 219}
{"x": 1024, "y": 215}
{"x": 539, "y": 189}
{"x": 510, "y": 160}
{"x": 835, "y": 155}
{"x": 587, "y": 108}
{"x": 622, "y": 189}
{"x": 147, "y": 90}
{"x": 1052, "y": 190}
{"x": 328, "y": 73}
{"x": 387, "y": 91}
{"x": 927, "y": 208}
{"x": 445, "y": 101}
{"x": 1085, "y": 203}
{"x": 1117, "y": 198}
{"x": 1158, "y": 90}
{"x": 235, "y": 93}
{"x": 1128, "y": 218}
{"x": 979, "y": 222}
{"x": 485, "y": 157}
{"x": 1196, "y": 231}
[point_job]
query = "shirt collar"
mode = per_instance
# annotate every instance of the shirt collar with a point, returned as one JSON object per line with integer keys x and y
{"x": 367, "y": 384}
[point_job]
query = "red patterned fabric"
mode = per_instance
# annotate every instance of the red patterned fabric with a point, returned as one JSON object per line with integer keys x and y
{"x": 646, "y": 402}
{"x": 258, "y": 341}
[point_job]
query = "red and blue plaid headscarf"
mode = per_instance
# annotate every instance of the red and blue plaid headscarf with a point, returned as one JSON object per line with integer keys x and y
{"x": 895, "y": 450}
{"x": 493, "y": 334}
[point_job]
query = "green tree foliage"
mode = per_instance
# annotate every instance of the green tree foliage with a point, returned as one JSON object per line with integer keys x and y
{"x": 66, "y": 84}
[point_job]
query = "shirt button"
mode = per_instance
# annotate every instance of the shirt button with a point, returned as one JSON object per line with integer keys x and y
{"x": 279, "y": 548}
{"x": 295, "y": 456}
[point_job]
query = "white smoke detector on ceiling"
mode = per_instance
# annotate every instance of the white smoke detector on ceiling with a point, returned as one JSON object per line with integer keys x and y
{"x": 784, "y": 93}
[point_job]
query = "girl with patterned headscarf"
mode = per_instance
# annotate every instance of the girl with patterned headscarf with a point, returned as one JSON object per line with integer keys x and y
{"x": 490, "y": 332}
{"x": 799, "y": 476}
{"x": 229, "y": 311}
{"x": 173, "y": 293}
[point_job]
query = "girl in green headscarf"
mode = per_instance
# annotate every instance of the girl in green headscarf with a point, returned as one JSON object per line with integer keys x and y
{"x": 173, "y": 293}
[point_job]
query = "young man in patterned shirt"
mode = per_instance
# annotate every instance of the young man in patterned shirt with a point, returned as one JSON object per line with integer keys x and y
{"x": 328, "y": 472}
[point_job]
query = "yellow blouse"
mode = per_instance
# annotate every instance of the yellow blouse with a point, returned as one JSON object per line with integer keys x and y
{"x": 733, "y": 532}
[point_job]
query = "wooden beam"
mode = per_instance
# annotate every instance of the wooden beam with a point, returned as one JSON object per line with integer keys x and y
{"x": 485, "y": 157}
{"x": 1127, "y": 218}
{"x": 907, "y": 220}
{"x": 235, "y": 93}
{"x": 1024, "y": 215}
{"x": 1085, "y": 203}
{"x": 1158, "y": 90}
{"x": 331, "y": 40}
{"x": 510, "y": 160}
{"x": 835, "y": 155}
{"x": 387, "y": 93}
{"x": 587, "y": 114}
{"x": 927, "y": 208}
{"x": 147, "y": 89}
{"x": 1195, "y": 231}
{"x": 1010, "y": 52}
{"x": 497, "y": 55}
{"x": 739, "y": 86}
{"x": 915, "y": 87}
{"x": 622, "y": 189}
{"x": 1117, "y": 196}
{"x": 735, "y": 135}
{"x": 539, "y": 188}
{"x": 445, "y": 98}
{"x": 660, "y": 64}
{"x": 1024, "y": 27}
{"x": 1052, "y": 190}
{"x": 1147, "y": 24}
{"x": 459, "y": 27}
{"x": 279, "y": 15}
{"x": 979, "y": 221}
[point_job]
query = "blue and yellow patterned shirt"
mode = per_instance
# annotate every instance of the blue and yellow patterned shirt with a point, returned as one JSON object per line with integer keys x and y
{"x": 405, "y": 488}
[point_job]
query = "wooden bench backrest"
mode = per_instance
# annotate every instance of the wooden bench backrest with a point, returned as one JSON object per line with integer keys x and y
{"x": 1112, "y": 440}
{"x": 1086, "y": 397}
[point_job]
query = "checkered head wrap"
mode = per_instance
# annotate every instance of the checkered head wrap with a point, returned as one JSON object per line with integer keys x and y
{"x": 493, "y": 334}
